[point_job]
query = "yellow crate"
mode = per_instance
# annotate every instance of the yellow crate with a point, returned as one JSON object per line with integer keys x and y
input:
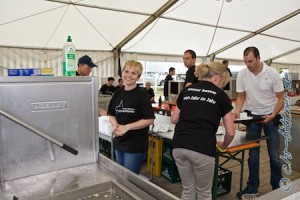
{"x": 156, "y": 168}
{"x": 157, "y": 146}
{"x": 157, "y": 155}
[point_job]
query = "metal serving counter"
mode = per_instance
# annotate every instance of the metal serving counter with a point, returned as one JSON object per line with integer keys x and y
{"x": 42, "y": 120}
{"x": 292, "y": 194}
{"x": 106, "y": 180}
{"x": 64, "y": 108}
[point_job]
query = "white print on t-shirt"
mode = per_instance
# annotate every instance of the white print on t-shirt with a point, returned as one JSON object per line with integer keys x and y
{"x": 119, "y": 108}
{"x": 202, "y": 90}
{"x": 195, "y": 98}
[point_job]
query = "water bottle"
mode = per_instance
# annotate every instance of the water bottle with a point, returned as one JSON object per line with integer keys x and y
{"x": 69, "y": 61}
{"x": 159, "y": 101}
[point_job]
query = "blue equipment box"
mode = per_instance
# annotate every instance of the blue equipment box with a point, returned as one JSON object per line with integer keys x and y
{"x": 24, "y": 72}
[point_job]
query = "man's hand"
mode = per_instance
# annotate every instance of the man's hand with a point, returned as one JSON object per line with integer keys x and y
{"x": 267, "y": 118}
{"x": 236, "y": 114}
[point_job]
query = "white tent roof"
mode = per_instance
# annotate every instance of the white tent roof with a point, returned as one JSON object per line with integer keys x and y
{"x": 157, "y": 26}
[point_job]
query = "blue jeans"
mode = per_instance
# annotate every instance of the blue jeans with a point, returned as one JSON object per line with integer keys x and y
{"x": 273, "y": 144}
{"x": 131, "y": 161}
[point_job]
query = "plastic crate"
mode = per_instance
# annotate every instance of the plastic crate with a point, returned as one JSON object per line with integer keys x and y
{"x": 224, "y": 181}
{"x": 105, "y": 147}
{"x": 157, "y": 155}
{"x": 157, "y": 146}
{"x": 169, "y": 168}
{"x": 167, "y": 150}
{"x": 170, "y": 171}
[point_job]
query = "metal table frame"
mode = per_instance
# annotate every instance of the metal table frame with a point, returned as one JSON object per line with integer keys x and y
{"x": 231, "y": 154}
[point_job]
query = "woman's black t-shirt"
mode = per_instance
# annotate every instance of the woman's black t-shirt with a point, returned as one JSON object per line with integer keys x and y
{"x": 128, "y": 107}
{"x": 202, "y": 106}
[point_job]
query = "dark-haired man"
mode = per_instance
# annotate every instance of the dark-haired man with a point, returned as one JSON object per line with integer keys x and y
{"x": 166, "y": 82}
{"x": 189, "y": 60}
{"x": 225, "y": 63}
{"x": 108, "y": 88}
{"x": 120, "y": 84}
{"x": 261, "y": 89}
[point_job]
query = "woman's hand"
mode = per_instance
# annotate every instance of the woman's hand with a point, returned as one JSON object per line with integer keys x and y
{"x": 120, "y": 130}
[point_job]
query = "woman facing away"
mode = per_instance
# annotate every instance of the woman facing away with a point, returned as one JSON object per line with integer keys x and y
{"x": 197, "y": 116}
{"x": 131, "y": 113}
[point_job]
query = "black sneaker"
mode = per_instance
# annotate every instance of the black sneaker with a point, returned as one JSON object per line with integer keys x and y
{"x": 246, "y": 191}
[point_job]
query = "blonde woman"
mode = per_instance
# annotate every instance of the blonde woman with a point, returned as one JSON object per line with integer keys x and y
{"x": 197, "y": 116}
{"x": 131, "y": 113}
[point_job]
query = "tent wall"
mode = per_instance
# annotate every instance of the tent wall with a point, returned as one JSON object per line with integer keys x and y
{"x": 23, "y": 58}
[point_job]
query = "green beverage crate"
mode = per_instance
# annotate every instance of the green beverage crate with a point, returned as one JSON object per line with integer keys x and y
{"x": 169, "y": 170}
{"x": 105, "y": 147}
{"x": 167, "y": 149}
{"x": 224, "y": 181}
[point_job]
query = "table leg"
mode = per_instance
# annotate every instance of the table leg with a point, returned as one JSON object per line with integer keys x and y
{"x": 242, "y": 174}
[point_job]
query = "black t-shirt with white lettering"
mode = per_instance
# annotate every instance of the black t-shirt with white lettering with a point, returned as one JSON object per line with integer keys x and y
{"x": 190, "y": 76}
{"x": 128, "y": 107}
{"x": 202, "y": 106}
{"x": 105, "y": 89}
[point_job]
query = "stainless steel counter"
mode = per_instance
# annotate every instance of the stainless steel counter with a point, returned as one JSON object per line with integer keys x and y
{"x": 34, "y": 167}
{"x": 81, "y": 182}
{"x": 293, "y": 194}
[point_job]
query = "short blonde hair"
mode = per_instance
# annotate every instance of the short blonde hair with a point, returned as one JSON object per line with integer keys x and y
{"x": 135, "y": 65}
{"x": 212, "y": 69}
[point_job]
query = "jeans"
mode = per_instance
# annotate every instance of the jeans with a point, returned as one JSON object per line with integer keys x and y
{"x": 196, "y": 171}
{"x": 131, "y": 161}
{"x": 273, "y": 144}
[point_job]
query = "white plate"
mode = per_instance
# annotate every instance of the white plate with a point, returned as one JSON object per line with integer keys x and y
{"x": 245, "y": 118}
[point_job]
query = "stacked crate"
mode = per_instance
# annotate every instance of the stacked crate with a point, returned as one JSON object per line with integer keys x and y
{"x": 156, "y": 147}
{"x": 169, "y": 168}
{"x": 105, "y": 147}
{"x": 224, "y": 181}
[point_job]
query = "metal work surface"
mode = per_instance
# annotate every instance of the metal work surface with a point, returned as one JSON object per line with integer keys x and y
{"x": 239, "y": 138}
{"x": 145, "y": 185}
{"x": 106, "y": 180}
{"x": 63, "y": 108}
{"x": 292, "y": 194}
{"x": 57, "y": 182}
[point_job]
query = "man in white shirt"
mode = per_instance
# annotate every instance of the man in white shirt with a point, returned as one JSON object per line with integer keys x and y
{"x": 261, "y": 89}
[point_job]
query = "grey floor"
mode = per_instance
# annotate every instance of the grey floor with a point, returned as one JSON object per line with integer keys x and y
{"x": 175, "y": 188}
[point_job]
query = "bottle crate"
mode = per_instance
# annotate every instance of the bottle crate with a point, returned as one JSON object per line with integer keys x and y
{"x": 156, "y": 151}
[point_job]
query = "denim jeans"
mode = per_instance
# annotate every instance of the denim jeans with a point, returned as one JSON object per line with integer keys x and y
{"x": 131, "y": 161}
{"x": 273, "y": 144}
